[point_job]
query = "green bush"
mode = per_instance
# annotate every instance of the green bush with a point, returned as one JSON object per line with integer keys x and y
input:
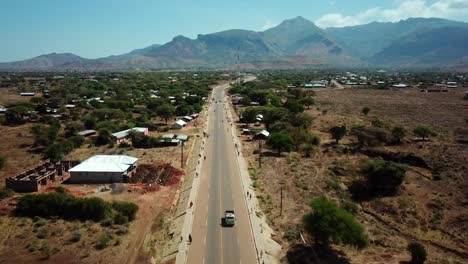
{"x": 418, "y": 253}
{"x": 365, "y": 110}
{"x": 5, "y": 193}
{"x": 120, "y": 219}
{"x": 76, "y": 236}
{"x": 281, "y": 142}
{"x": 2, "y": 162}
{"x": 384, "y": 177}
{"x": 126, "y": 209}
{"x": 424, "y": 132}
{"x": 329, "y": 223}
{"x": 291, "y": 234}
{"x": 338, "y": 132}
{"x": 398, "y": 133}
{"x": 64, "y": 206}
{"x": 107, "y": 222}
{"x": 60, "y": 189}
{"x": 103, "y": 241}
{"x": 42, "y": 233}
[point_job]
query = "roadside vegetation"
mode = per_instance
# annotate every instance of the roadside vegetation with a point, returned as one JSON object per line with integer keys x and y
{"x": 65, "y": 206}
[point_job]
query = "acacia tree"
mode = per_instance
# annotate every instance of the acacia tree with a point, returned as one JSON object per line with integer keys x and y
{"x": 424, "y": 132}
{"x": 365, "y": 110}
{"x": 281, "y": 142}
{"x": 166, "y": 111}
{"x": 418, "y": 253}
{"x": 308, "y": 101}
{"x": 398, "y": 133}
{"x": 338, "y": 132}
{"x": 249, "y": 115}
{"x": 384, "y": 177}
{"x": 328, "y": 223}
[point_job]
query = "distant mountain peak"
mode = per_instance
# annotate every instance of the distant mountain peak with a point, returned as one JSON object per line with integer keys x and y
{"x": 295, "y": 24}
{"x": 180, "y": 38}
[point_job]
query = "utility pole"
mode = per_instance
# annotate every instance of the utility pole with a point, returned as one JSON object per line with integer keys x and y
{"x": 260, "y": 153}
{"x": 281, "y": 200}
{"x": 182, "y": 154}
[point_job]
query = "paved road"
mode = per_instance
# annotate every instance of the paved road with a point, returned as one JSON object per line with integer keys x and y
{"x": 220, "y": 189}
{"x": 338, "y": 85}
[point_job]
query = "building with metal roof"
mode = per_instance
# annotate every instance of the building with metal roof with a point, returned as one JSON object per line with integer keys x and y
{"x": 179, "y": 124}
{"x": 103, "y": 169}
{"x": 123, "y": 135}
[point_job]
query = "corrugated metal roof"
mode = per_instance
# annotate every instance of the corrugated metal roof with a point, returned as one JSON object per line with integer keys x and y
{"x": 105, "y": 163}
{"x": 86, "y": 132}
{"x": 124, "y": 133}
{"x": 181, "y": 122}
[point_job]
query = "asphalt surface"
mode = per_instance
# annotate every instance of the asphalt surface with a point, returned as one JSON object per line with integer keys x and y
{"x": 220, "y": 190}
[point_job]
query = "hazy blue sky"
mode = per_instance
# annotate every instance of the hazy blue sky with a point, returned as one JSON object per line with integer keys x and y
{"x": 97, "y": 28}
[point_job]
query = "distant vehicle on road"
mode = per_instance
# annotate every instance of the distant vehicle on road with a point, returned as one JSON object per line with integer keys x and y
{"x": 229, "y": 218}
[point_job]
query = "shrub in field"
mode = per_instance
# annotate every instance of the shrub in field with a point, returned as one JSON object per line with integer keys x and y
{"x": 365, "y": 110}
{"x": 328, "y": 223}
{"x": 338, "y": 132}
{"x": 76, "y": 236}
{"x": 418, "y": 253}
{"x": 281, "y": 142}
{"x": 398, "y": 133}
{"x": 126, "y": 209}
{"x": 424, "y": 132}
{"x": 103, "y": 241}
{"x": 384, "y": 177}
{"x": 66, "y": 206}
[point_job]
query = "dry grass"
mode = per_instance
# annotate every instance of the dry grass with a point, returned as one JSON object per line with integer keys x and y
{"x": 391, "y": 222}
{"x": 15, "y": 145}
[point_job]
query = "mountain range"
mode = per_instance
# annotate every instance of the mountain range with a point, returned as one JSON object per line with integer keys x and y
{"x": 295, "y": 43}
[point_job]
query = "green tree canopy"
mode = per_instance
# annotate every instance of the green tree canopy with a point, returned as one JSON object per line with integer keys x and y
{"x": 365, "y": 110}
{"x": 308, "y": 101}
{"x": 338, "y": 132}
{"x": 384, "y": 177}
{"x": 165, "y": 111}
{"x": 249, "y": 115}
{"x": 424, "y": 132}
{"x": 418, "y": 253}
{"x": 398, "y": 133}
{"x": 281, "y": 142}
{"x": 294, "y": 106}
{"x": 328, "y": 223}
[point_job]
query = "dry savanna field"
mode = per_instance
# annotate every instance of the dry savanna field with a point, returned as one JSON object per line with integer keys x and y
{"x": 430, "y": 206}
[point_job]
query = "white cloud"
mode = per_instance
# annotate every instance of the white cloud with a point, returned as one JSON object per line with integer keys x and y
{"x": 403, "y": 9}
{"x": 267, "y": 25}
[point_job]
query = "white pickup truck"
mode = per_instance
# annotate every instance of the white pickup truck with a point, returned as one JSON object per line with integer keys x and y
{"x": 229, "y": 218}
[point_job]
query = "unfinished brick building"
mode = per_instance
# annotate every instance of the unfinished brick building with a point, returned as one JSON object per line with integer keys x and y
{"x": 34, "y": 179}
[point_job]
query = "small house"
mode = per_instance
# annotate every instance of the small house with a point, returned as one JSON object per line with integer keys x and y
{"x": 87, "y": 133}
{"x": 123, "y": 136}
{"x": 187, "y": 118}
{"x": 262, "y": 134}
{"x": 167, "y": 136}
{"x": 179, "y": 124}
{"x": 246, "y": 131}
{"x": 182, "y": 137}
{"x": 400, "y": 85}
{"x": 28, "y": 94}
